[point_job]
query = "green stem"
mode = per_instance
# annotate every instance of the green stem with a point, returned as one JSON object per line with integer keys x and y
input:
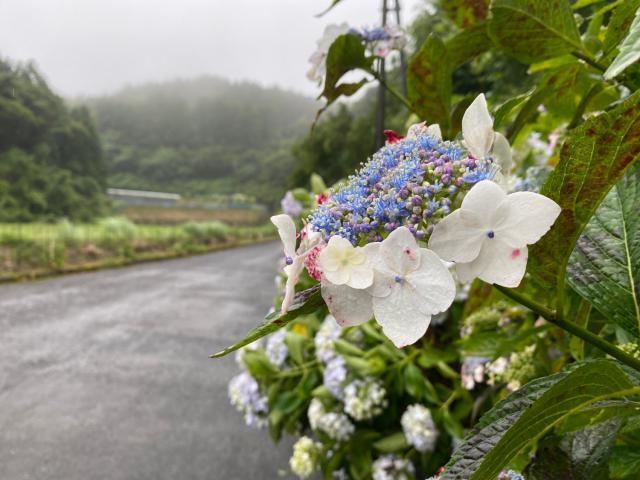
{"x": 571, "y": 327}
{"x": 392, "y": 90}
{"x": 591, "y": 61}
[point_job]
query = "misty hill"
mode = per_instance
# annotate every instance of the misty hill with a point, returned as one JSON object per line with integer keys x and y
{"x": 202, "y": 136}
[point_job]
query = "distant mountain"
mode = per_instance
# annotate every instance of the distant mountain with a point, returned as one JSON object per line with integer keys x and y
{"x": 202, "y": 136}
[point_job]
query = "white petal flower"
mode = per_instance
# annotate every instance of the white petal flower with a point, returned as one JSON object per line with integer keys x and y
{"x": 421, "y": 128}
{"x": 294, "y": 258}
{"x": 488, "y": 235}
{"x": 319, "y": 57}
{"x": 343, "y": 264}
{"x": 481, "y": 140}
{"x": 410, "y": 285}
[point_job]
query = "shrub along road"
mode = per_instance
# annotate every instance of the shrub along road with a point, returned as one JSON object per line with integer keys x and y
{"x": 106, "y": 375}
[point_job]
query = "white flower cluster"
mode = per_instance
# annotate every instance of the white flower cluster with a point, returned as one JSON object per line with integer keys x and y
{"x": 336, "y": 426}
{"x": 419, "y": 429}
{"x": 364, "y": 399}
{"x": 303, "y": 460}
{"x": 245, "y": 396}
{"x": 276, "y": 348}
{"x": 328, "y": 332}
{"x": 334, "y": 376}
{"x": 391, "y": 467}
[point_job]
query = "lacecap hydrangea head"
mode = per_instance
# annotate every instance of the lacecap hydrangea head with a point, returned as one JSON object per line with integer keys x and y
{"x": 245, "y": 396}
{"x": 392, "y": 467}
{"x": 419, "y": 428}
{"x": 412, "y": 181}
{"x": 304, "y": 460}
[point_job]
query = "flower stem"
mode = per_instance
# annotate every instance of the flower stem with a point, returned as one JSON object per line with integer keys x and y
{"x": 571, "y": 327}
{"x": 392, "y": 90}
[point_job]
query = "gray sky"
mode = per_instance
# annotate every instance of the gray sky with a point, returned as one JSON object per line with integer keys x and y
{"x": 87, "y": 47}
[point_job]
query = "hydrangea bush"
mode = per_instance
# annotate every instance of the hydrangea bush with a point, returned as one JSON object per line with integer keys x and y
{"x": 454, "y": 309}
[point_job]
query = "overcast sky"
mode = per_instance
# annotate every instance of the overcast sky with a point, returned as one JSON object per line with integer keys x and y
{"x": 87, "y": 47}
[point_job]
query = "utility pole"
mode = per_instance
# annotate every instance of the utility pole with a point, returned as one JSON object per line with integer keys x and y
{"x": 403, "y": 57}
{"x": 381, "y": 90}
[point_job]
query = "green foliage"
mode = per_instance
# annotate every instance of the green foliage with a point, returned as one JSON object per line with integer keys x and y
{"x": 51, "y": 163}
{"x": 207, "y": 230}
{"x": 629, "y": 50}
{"x": 533, "y": 30}
{"x": 429, "y": 82}
{"x": 201, "y": 137}
{"x": 604, "y": 267}
{"x": 593, "y": 159}
{"x": 525, "y": 416}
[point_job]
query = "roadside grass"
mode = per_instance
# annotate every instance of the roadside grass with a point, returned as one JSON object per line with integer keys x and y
{"x": 34, "y": 250}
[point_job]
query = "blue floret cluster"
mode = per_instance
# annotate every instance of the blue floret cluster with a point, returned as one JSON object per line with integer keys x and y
{"x": 414, "y": 181}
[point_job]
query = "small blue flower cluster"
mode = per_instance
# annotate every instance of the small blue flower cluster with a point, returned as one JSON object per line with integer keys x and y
{"x": 372, "y": 35}
{"x": 414, "y": 182}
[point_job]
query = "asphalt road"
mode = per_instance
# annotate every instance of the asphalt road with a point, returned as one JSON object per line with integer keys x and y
{"x": 106, "y": 375}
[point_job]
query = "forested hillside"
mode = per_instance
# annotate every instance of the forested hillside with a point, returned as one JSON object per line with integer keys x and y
{"x": 202, "y": 136}
{"x": 51, "y": 162}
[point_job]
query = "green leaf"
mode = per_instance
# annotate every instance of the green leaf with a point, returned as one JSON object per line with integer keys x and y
{"x": 592, "y": 160}
{"x": 534, "y": 30}
{"x": 625, "y": 462}
{"x": 583, "y": 455}
{"x": 629, "y": 50}
{"x": 258, "y": 364}
{"x": 466, "y": 13}
{"x": 333, "y": 4}
{"x": 604, "y": 268}
{"x": 618, "y": 26}
{"x": 468, "y": 44}
{"x": 532, "y": 411}
{"x": 304, "y": 302}
{"x": 346, "y": 53}
{"x": 429, "y": 82}
{"x": 392, "y": 443}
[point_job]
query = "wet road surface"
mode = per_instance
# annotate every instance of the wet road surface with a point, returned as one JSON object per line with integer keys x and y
{"x": 105, "y": 375}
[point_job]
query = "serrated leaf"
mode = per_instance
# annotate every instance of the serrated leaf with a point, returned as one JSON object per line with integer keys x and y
{"x": 529, "y": 413}
{"x": 604, "y": 268}
{"x": 625, "y": 462}
{"x": 534, "y": 30}
{"x": 592, "y": 160}
{"x": 629, "y": 50}
{"x": 304, "y": 302}
{"x": 429, "y": 82}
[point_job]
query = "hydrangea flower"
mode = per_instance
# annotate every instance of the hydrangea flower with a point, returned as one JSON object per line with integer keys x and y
{"x": 294, "y": 259}
{"x": 290, "y": 205}
{"x": 419, "y": 429}
{"x": 319, "y": 57}
{"x": 383, "y": 40}
{"x": 334, "y": 376}
{"x": 245, "y": 396}
{"x": 488, "y": 235}
{"x": 328, "y": 332}
{"x": 510, "y": 475}
{"x": 343, "y": 264}
{"x": 336, "y": 426}
{"x": 414, "y": 181}
{"x": 303, "y": 462}
{"x": 410, "y": 285}
{"x": 472, "y": 371}
{"x": 392, "y": 467}
{"x": 364, "y": 399}
{"x": 276, "y": 348}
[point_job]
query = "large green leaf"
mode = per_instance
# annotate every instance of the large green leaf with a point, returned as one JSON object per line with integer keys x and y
{"x": 531, "y": 412}
{"x": 346, "y": 53}
{"x": 305, "y": 302}
{"x": 629, "y": 50}
{"x": 429, "y": 82}
{"x": 534, "y": 30}
{"x": 605, "y": 266}
{"x": 467, "y": 44}
{"x": 592, "y": 160}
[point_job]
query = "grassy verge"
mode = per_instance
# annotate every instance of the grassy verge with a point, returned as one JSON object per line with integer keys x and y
{"x": 29, "y": 251}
